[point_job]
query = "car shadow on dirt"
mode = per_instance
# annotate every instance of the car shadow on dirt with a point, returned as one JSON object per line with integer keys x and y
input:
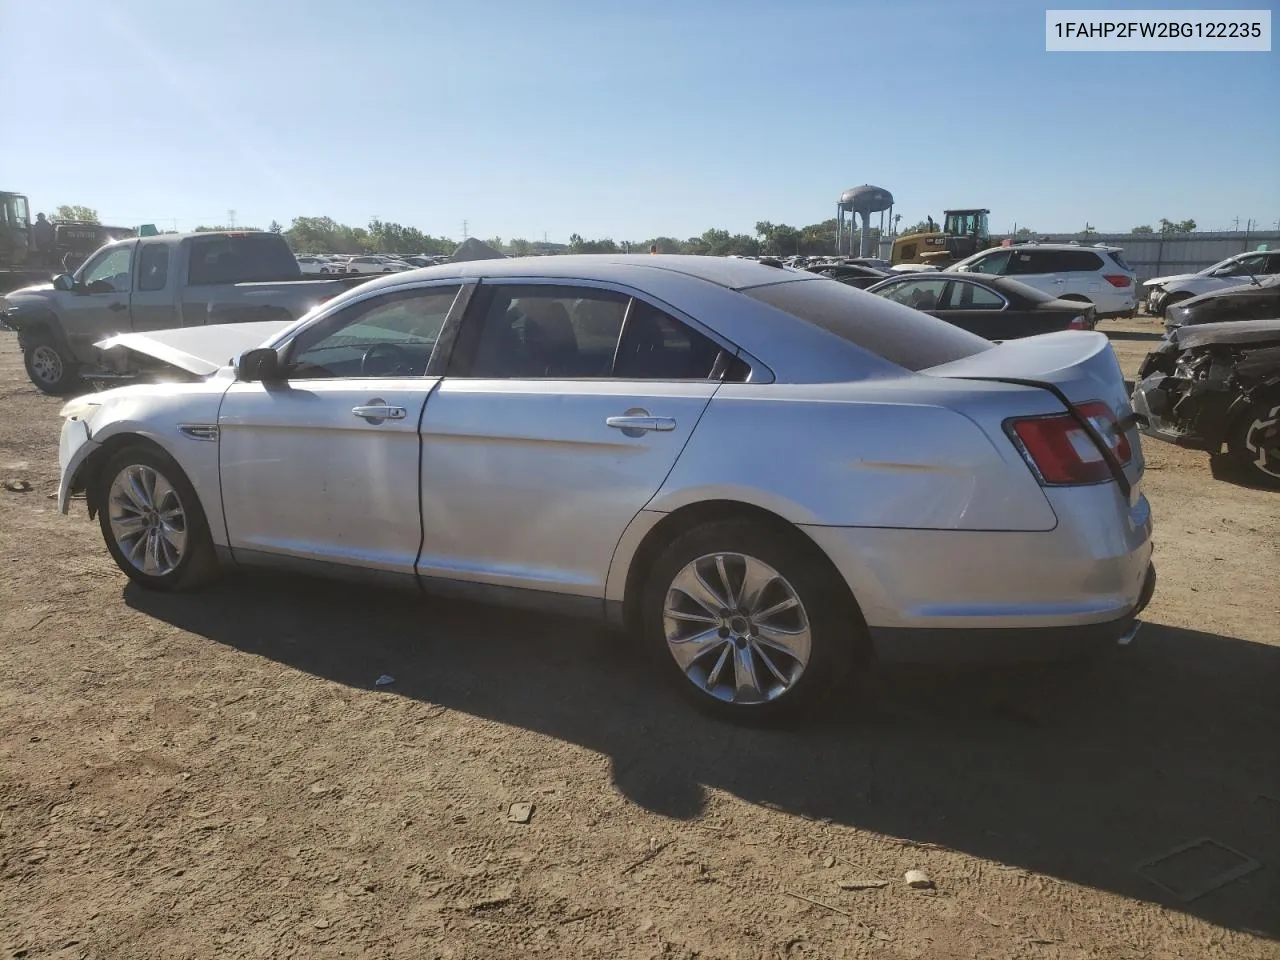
{"x": 1077, "y": 771}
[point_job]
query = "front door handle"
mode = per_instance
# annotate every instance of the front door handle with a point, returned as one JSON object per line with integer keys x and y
{"x": 640, "y": 425}
{"x": 118, "y": 306}
{"x": 378, "y": 412}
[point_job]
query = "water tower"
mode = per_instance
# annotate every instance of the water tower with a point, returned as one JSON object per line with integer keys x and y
{"x": 864, "y": 200}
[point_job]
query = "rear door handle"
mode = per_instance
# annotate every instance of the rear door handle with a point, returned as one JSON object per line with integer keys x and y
{"x": 640, "y": 424}
{"x": 117, "y": 306}
{"x": 376, "y": 413}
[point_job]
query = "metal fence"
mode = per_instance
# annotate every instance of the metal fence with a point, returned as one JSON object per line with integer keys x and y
{"x": 1159, "y": 255}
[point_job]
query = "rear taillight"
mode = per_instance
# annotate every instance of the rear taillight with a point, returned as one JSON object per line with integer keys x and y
{"x": 1118, "y": 280}
{"x": 1061, "y": 452}
{"x": 1078, "y": 323}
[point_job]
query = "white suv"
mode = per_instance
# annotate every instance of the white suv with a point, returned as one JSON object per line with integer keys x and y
{"x": 1068, "y": 271}
{"x": 1164, "y": 292}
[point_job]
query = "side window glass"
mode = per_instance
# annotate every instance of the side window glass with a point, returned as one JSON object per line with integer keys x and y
{"x": 111, "y": 271}
{"x": 1027, "y": 263}
{"x": 656, "y": 346}
{"x": 970, "y": 296}
{"x": 920, "y": 294}
{"x": 992, "y": 265}
{"x": 153, "y": 266}
{"x": 549, "y": 331}
{"x": 391, "y": 336}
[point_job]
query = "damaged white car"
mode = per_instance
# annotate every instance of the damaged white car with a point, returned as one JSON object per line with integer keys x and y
{"x": 769, "y": 476}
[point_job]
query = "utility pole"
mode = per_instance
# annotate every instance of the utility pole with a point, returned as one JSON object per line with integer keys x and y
{"x": 1236, "y": 225}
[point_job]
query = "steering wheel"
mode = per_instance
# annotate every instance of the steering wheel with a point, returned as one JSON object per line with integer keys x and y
{"x": 395, "y": 360}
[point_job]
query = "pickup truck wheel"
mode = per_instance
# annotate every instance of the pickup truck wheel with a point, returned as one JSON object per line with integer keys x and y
{"x": 152, "y": 521}
{"x": 1254, "y": 442}
{"x": 49, "y": 369}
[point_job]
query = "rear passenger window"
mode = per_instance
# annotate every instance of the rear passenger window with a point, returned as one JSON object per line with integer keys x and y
{"x": 564, "y": 332}
{"x": 153, "y": 267}
{"x": 1078, "y": 261}
{"x": 1026, "y": 263}
{"x": 659, "y": 347}
{"x": 240, "y": 258}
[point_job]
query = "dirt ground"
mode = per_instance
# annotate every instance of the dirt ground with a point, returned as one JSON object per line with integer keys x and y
{"x": 216, "y": 775}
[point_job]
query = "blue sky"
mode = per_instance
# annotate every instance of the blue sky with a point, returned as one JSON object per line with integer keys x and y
{"x": 616, "y": 119}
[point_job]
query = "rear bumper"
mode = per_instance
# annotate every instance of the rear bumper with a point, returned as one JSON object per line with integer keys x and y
{"x": 1009, "y": 645}
{"x": 964, "y": 595}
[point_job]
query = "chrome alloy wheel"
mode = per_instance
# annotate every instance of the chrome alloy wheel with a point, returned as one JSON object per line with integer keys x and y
{"x": 46, "y": 364}
{"x": 736, "y": 628}
{"x": 147, "y": 520}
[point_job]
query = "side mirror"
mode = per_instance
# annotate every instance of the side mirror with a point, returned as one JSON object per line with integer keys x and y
{"x": 258, "y": 364}
{"x": 64, "y": 282}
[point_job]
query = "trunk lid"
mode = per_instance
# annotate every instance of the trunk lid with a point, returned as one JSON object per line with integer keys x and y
{"x": 1079, "y": 364}
{"x": 196, "y": 350}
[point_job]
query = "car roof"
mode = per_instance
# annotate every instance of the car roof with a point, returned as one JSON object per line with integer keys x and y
{"x": 727, "y": 272}
{"x": 1037, "y": 245}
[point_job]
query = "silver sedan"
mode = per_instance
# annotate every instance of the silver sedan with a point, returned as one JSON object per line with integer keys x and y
{"x": 770, "y": 477}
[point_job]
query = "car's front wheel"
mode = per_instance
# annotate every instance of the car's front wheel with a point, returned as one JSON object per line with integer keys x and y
{"x": 750, "y": 623}
{"x": 152, "y": 521}
{"x": 1254, "y": 442}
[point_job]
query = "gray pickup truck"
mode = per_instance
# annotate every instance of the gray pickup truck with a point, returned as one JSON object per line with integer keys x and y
{"x": 156, "y": 283}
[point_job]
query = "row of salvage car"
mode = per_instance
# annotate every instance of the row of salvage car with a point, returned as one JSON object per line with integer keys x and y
{"x": 1214, "y": 381}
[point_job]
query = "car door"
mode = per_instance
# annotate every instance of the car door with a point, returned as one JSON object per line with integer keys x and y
{"x": 984, "y": 311}
{"x": 1036, "y": 268}
{"x": 152, "y": 305}
{"x": 99, "y": 305}
{"x": 562, "y": 412}
{"x": 322, "y": 465}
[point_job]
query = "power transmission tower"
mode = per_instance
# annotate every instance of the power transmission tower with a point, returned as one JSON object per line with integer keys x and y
{"x": 464, "y": 230}
{"x": 231, "y": 218}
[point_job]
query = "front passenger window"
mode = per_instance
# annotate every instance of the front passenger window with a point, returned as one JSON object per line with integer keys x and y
{"x": 389, "y": 336}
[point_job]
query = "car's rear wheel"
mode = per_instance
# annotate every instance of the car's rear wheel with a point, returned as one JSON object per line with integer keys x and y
{"x": 48, "y": 367}
{"x": 152, "y": 521}
{"x": 1254, "y": 442}
{"x": 748, "y": 622}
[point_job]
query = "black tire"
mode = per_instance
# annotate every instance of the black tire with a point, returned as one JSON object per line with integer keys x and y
{"x": 837, "y": 634}
{"x": 1253, "y": 444}
{"x": 197, "y": 563}
{"x": 49, "y": 366}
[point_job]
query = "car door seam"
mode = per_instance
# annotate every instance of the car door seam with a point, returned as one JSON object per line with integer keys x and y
{"x": 422, "y": 513}
{"x": 613, "y": 557}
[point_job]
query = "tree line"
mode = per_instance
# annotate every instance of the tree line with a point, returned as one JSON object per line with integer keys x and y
{"x": 326, "y": 235}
